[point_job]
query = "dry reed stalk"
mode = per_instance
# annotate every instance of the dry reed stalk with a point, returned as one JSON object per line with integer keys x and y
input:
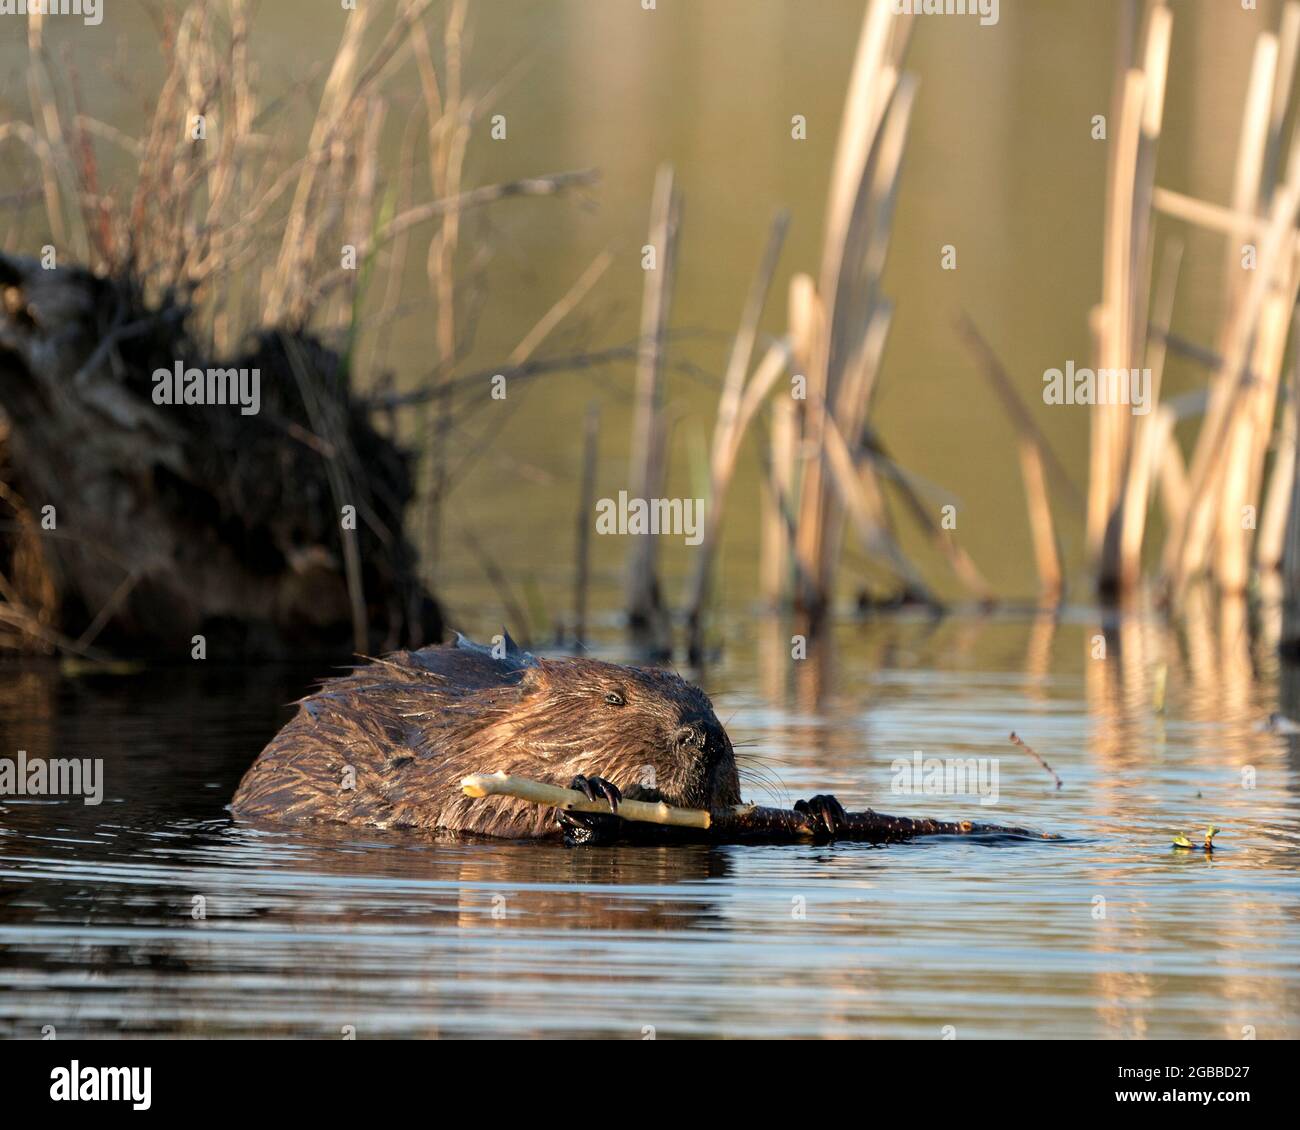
{"x": 776, "y": 514}
{"x": 1203, "y": 214}
{"x": 1254, "y": 138}
{"x": 774, "y": 365}
{"x": 1290, "y": 634}
{"x": 448, "y": 124}
{"x": 859, "y": 493}
{"x": 560, "y": 310}
{"x": 1227, "y": 463}
{"x": 1149, "y": 435}
{"x": 1260, "y": 125}
{"x": 831, "y": 319}
{"x": 1036, "y": 460}
{"x": 863, "y": 348}
{"x": 1121, "y": 321}
{"x": 586, "y": 507}
{"x": 1288, "y": 55}
{"x": 295, "y": 247}
{"x": 344, "y": 472}
{"x": 961, "y": 563}
{"x": 1271, "y": 544}
{"x": 731, "y": 424}
{"x": 1171, "y": 468}
{"x": 1047, "y": 553}
{"x": 1246, "y": 447}
{"x": 48, "y": 119}
{"x": 1115, "y": 326}
{"x": 1189, "y": 554}
{"x": 645, "y": 609}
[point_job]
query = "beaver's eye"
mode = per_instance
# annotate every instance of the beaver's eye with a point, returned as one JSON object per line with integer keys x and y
{"x": 614, "y": 698}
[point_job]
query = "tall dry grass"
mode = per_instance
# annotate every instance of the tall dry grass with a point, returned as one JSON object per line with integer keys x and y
{"x": 1226, "y": 508}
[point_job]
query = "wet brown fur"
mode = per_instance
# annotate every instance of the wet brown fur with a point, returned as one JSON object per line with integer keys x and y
{"x": 411, "y": 725}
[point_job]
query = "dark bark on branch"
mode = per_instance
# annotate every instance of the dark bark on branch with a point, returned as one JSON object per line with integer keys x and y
{"x": 780, "y": 825}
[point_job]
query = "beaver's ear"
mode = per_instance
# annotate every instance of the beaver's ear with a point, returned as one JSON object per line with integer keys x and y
{"x": 536, "y": 678}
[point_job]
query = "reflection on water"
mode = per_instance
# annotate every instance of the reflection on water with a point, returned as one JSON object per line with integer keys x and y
{"x": 307, "y": 934}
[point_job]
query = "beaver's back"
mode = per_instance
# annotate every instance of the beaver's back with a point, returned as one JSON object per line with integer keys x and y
{"x": 388, "y": 744}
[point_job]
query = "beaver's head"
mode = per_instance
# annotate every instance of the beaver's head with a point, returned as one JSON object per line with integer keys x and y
{"x": 633, "y": 726}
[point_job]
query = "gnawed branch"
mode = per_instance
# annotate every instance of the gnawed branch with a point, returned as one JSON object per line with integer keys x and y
{"x": 744, "y": 822}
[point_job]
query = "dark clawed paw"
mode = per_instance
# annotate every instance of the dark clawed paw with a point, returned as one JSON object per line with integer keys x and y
{"x": 824, "y": 810}
{"x": 588, "y": 828}
{"x": 593, "y": 787}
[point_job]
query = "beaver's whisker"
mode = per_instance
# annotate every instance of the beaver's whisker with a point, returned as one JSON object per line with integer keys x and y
{"x": 760, "y": 777}
{"x": 775, "y": 789}
{"x": 763, "y": 759}
{"x": 758, "y": 771}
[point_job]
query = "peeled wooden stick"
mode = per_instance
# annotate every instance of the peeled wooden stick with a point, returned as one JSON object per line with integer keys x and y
{"x": 502, "y": 784}
{"x": 744, "y": 821}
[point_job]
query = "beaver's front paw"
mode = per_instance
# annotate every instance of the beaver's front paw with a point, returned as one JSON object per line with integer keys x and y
{"x": 588, "y": 829}
{"x": 591, "y": 828}
{"x": 592, "y": 787}
{"x": 824, "y": 811}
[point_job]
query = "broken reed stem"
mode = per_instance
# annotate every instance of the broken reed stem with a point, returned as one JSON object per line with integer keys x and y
{"x": 586, "y": 508}
{"x": 1047, "y": 554}
{"x": 646, "y": 613}
{"x": 778, "y": 492}
{"x": 1277, "y": 516}
{"x": 1037, "y": 758}
{"x": 961, "y": 563}
{"x": 730, "y": 426}
{"x": 1150, "y": 433}
{"x": 1290, "y": 638}
{"x": 1035, "y": 454}
{"x": 996, "y": 372}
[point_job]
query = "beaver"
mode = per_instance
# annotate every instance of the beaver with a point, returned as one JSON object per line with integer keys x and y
{"x": 388, "y": 744}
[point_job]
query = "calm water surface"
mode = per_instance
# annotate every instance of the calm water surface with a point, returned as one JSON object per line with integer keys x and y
{"x": 305, "y": 934}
